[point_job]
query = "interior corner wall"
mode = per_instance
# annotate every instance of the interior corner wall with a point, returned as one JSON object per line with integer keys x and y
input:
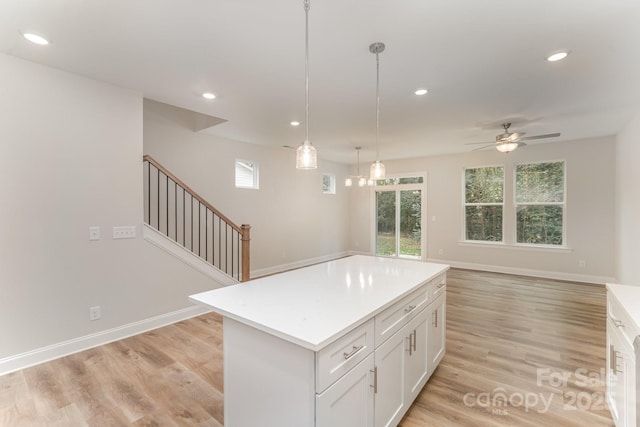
{"x": 71, "y": 158}
{"x": 292, "y": 222}
{"x": 590, "y": 206}
{"x": 628, "y": 204}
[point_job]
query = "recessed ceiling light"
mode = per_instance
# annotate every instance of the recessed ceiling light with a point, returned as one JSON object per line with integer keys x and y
{"x": 420, "y": 92}
{"x": 294, "y": 123}
{"x": 208, "y": 95}
{"x": 34, "y": 38}
{"x": 557, "y": 56}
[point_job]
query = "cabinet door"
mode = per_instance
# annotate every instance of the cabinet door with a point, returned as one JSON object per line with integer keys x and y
{"x": 416, "y": 366}
{"x": 620, "y": 378}
{"x": 437, "y": 332}
{"x": 349, "y": 401}
{"x": 390, "y": 394}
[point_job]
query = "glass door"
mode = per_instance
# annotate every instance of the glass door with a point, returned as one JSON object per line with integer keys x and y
{"x": 398, "y": 230}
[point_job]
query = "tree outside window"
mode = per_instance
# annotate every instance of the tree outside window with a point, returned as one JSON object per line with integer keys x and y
{"x": 484, "y": 203}
{"x": 540, "y": 199}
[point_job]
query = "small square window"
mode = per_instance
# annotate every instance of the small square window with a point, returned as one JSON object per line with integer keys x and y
{"x": 328, "y": 183}
{"x": 246, "y": 174}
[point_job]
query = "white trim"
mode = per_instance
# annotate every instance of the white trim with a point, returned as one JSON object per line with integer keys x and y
{"x": 298, "y": 264}
{"x": 65, "y": 348}
{"x": 556, "y": 275}
{"x": 519, "y": 246}
{"x": 158, "y": 239}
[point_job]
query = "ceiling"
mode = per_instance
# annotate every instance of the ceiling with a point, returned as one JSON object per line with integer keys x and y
{"x": 483, "y": 63}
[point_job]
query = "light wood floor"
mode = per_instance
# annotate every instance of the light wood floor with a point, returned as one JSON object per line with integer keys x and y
{"x": 510, "y": 340}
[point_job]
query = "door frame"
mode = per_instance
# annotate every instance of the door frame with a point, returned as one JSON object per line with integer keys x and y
{"x": 423, "y": 211}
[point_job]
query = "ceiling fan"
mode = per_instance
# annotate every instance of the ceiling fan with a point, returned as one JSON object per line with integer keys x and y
{"x": 509, "y": 141}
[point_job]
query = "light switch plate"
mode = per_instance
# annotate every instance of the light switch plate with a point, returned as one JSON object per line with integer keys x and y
{"x": 94, "y": 233}
{"x": 124, "y": 232}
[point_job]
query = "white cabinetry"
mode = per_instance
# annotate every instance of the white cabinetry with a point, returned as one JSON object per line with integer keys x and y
{"x": 437, "y": 331}
{"x": 344, "y": 343}
{"x": 621, "y": 363}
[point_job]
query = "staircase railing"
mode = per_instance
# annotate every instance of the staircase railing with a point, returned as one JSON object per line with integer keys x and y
{"x": 178, "y": 212}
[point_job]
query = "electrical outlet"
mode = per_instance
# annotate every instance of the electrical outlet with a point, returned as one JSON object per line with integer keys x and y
{"x": 440, "y": 251}
{"x": 124, "y": 232}
{"x": 582, "y": 263}
{"x": 94, "y": 313}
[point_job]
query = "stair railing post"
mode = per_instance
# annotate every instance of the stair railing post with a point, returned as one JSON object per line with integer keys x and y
{"x": 246, "y": 251}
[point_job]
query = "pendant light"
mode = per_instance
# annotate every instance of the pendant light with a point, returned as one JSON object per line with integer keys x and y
{"x": 306, "y": 156}
{"x": 362, "y": 181}
{"x": 377, "y": 168}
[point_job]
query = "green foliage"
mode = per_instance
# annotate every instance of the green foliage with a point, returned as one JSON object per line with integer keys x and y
{"x": 484, "y": 193}
{"x": 410, "y": 222}
{"x": 484, "y": 185}
{"x": 540, "y": 182}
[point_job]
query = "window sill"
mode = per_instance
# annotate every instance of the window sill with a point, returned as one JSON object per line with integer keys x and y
{"x": 520, "y": 247}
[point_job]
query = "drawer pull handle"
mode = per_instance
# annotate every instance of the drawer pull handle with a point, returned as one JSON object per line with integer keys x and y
{"x": 435, "y": 318}
{"x": 352, "y": 352}
{"x": 409, "y": 309}
{"x": 441, "y": 285}
{"x": 618, "y": 323}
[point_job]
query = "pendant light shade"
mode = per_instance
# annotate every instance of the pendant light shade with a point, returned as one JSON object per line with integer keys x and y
{"x": 377, "y": 168}
{"x": 361, "y": 180}
{"x": 306, "y": 155}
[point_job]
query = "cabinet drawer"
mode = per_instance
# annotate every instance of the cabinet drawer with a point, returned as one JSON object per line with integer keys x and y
{"x": 621, "y": 319}
{"x": 437, "y": 287}
{"x": 394, "y": 318}
{"x": 340, "y": 356}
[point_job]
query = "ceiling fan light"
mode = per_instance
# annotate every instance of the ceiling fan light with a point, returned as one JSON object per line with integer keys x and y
{"x": 306, "y": 156}
{"x": 506, "y": 147}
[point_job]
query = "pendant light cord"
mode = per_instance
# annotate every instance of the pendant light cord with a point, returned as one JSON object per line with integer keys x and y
{"x": 377, "y": 104}
{"x": 306, "y": 72}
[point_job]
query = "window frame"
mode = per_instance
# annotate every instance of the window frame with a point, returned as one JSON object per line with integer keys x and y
{"x": 564, "y": 244}
{"x": 465, "y": 204}
{"x": 332, "y": 183}
{"x": 255, "y": 185}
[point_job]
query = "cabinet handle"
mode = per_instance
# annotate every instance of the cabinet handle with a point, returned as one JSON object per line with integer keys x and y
{"x": 352, "y": 352}
{"x": 415, "y": 338}
{"x": 616, "y": 357}
{"x": 618, "y": 323}
{"x": 410, "y": 349}
{"x": 375, "y": 379}
{"x": 435, "y": 318}
{"x": 441, "y": 285}
{"x": 409, "y": 309}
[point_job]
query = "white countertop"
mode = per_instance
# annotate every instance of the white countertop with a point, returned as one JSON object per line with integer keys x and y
{"x": 314, "y": 305}
{"x": 629, "y": 297}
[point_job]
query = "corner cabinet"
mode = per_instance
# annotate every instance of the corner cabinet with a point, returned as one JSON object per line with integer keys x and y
{"x": 621, "y": 358}
{"x": 366, "y": 375}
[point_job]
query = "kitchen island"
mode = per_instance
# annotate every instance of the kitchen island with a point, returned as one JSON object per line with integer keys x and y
{"x": 347, "y": 342}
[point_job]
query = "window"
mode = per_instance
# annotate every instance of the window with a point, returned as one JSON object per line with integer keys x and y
{"x": 484, "y": 203}
{"x": 540, "y": 202}
{"x": 328, "y": 183}
{"x": 246, "y": 174}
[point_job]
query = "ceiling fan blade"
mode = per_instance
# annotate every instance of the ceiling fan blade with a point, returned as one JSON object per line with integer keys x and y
{"x": 482, "y": 148}
{"x": 476, "y": 143}
{"x": 549, "y": 135}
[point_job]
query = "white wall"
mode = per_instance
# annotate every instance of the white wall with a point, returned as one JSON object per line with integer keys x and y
{"x": 70, "y": 158}
{"x": 628, "y": 204}
{"x": 291, "y": 220}
{"x": 590, "y": 166}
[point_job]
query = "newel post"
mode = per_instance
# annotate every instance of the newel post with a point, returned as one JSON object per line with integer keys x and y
{"x": 246, "y": 252}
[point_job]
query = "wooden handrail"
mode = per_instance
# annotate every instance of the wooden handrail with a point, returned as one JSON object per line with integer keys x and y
{"x": 195, "y": 195}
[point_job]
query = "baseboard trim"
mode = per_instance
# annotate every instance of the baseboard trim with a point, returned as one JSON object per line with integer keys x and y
{"x": 555, "y": 275}
{"x": 65, "y": 348}
{"x": 298, "y": 264}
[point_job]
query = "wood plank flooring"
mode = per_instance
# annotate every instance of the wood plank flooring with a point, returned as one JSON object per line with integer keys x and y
{"x": 520, "y": 352}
